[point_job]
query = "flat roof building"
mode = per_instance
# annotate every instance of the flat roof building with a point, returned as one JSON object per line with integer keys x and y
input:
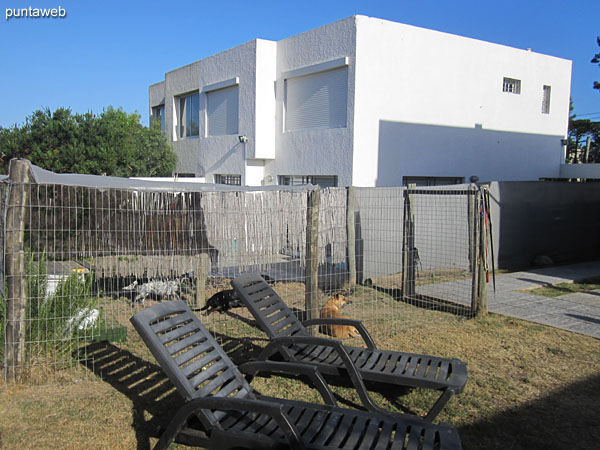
{"x": 367, "y": 102}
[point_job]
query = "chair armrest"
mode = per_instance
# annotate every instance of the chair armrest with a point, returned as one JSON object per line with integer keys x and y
{"x": 338, "y": 347}
{"x": 344, "y": 321}
{"x": 291, "y": 368}
{"x": 272, "y": 409}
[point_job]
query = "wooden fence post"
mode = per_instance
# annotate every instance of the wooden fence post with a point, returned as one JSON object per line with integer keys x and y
{"x": 479, "y": 303}
{"x": 351, "y": 232}
{"x": 200, "y": 276}
{"x": 16, "y": 305}
{"x": 482, "y": 290}
{"x": 312, "y": 254}
{"x": 409, "y": 262}
{"x": 471, "y": 207}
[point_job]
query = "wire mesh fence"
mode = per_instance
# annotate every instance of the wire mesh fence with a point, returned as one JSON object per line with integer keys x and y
{"x": 80, "y": 260}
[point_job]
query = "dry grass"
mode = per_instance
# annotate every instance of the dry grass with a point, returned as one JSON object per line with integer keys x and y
{"x": 530, "y": 386}
{"x": 556, "y": 290}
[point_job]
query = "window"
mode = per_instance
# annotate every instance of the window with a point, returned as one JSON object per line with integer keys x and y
{"x": 546, "y": 100}
{"x": 188, "y": 115}
{"x": 432, "y": 181}
{"x": 158, "y": 115}
{"x": 318, "y": 100}
{"x": 511, "y": 85}
{"x": 321, "y": 180}
{"x": 232, "y": 180}
{"x": 222, "y": 111}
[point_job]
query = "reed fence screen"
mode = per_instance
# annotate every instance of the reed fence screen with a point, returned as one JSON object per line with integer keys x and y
{"x": 78, "y": 251}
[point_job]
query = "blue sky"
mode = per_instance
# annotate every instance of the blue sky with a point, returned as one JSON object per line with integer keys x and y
{"x": 108, "y": 52}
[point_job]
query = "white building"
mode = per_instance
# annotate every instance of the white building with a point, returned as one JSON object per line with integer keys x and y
{"x": 367, "y": 102}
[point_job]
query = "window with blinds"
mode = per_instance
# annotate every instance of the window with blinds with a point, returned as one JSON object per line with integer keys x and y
{"x": 222, "y": 111}
{"x": 318, "y": 100}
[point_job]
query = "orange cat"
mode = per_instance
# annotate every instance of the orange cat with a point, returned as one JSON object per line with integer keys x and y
{"x": 332, "y": 309}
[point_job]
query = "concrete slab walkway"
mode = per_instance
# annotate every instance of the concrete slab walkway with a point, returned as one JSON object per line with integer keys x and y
{"x": 574, "y": 312}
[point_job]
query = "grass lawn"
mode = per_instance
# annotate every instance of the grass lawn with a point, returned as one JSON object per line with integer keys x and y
{"x": 556, "y": 290}
{"x": 530, "y": 386}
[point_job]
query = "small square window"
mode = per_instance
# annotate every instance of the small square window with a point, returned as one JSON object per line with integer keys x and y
{"x": 546, "y": 100}
{"x": 232, "y": 180}
{"x": 511, "y": 85}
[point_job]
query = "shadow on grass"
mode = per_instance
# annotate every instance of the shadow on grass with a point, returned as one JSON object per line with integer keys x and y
{"x": 422, "y": 301}
{"x": 564, "y": 419}
{"x": 241, "y": 350}
{"x": 145, "y": 384}
{"x": 154, "y": 397}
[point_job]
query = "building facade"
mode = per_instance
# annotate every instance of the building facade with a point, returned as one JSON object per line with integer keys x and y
{"x": 367, "y": 102}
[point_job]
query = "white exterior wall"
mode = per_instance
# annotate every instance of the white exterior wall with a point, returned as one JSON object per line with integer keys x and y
{"x": 266, "y": 73}
{"x": 431, "y": 104}
{"x": 315, "y": 151}
{"x": 209, "y": 155}
{"x": 420, "y": 103}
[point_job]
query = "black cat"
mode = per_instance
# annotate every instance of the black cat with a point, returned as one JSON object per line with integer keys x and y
{"x": 222, "y": 301}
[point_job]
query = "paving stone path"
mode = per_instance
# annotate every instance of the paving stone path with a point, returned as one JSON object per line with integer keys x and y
{"x": 578, "y": 312}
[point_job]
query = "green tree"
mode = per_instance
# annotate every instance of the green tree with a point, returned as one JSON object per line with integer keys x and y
{"x": 113, "y": 143}
{"x": 596, "y": 60}
{"x": 580, "y": 130}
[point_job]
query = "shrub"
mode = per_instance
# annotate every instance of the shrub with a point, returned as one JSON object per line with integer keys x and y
{"x": 54, "y": 320}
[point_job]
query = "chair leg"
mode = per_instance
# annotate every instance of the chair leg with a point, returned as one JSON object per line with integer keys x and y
{"x": 175, "y": 426}
{"x": 439, "y": 405}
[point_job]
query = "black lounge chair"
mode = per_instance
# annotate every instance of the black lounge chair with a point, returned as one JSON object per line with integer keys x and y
{"x": 290, "y": 338}
{"x": 222, "y": 411}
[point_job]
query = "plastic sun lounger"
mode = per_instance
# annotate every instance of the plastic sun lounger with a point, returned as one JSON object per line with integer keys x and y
{"x": 290, "y": 338}
{"x": 222, "y": 411}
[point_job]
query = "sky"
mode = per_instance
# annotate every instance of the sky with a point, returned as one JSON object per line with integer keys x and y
{"x": 106, "y": 53}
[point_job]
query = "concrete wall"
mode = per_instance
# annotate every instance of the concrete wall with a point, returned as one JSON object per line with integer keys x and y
{"x": 557, "y": 219}
{"x": 412, "y": 149}
{"x": 588, "y": 171}
{"x": 266, "y": 72}
{"x": 420, "y": 103}
{"x": 315, "y": 151}
{"x": 209, "y": 155}
{"x": 409, "y": 78}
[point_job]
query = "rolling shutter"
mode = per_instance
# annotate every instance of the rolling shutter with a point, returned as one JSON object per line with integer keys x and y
{"x": 317, "y": 100}
{"x": 222, "y": 111}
